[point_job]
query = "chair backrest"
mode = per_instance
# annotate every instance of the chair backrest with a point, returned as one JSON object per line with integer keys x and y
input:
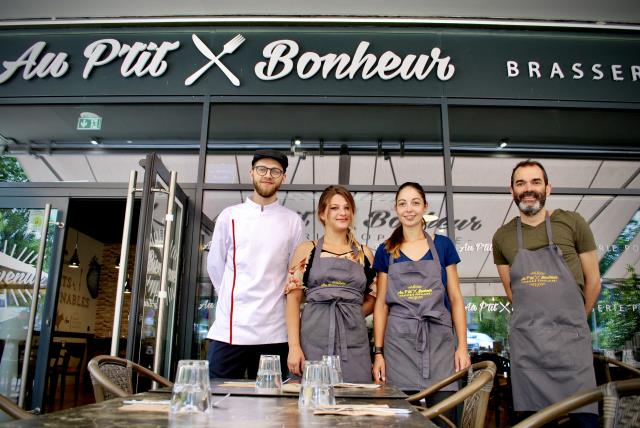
{"x": 13, "y": 410}
{"x": 621, "y": 405}
{"x": 475, "y": 405}
{"x": 475, "y": 395}
{"x": 112, "y": 376}
{"x": 603, "y": 373}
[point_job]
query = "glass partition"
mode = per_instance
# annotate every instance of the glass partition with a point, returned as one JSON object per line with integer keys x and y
{"x": 562, "y": 172}
{"x": 20, "y": 236}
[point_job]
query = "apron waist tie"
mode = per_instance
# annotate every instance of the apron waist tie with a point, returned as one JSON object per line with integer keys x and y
{"x": 422, "y": 335}
{"x": 337, "y": 315}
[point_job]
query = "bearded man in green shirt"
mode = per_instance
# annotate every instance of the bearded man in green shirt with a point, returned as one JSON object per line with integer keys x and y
{"x": 548, "y": 265}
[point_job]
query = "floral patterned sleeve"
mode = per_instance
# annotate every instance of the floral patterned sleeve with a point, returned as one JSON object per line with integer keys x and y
{"x": 372, "y": 289}
{"x": 295, "y": 276}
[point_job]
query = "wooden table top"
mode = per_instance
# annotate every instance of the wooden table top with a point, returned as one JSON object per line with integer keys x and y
{"x": 235, "y": 411}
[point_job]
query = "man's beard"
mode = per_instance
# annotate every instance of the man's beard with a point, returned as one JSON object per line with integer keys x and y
{"x": 265, "y": 192}
{"x": 527, "y": 209}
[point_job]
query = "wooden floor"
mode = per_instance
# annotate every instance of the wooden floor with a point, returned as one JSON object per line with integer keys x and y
{"x": 85, "y": 396}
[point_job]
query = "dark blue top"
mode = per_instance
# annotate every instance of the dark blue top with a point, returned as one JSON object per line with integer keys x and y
{"x": 446, "y": 252}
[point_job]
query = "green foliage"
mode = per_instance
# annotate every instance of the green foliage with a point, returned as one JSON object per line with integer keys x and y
{"x": 487, "y": 315}
{"x": 11, "y": 171}
{"x": 627, "y": 235}
{"x": 494, "y": 327}
{"x": 615, "y": 325}
{"x": 14, "y": 229}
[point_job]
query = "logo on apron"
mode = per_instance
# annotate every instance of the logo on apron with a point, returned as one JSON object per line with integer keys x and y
{"x": 414, "y": 292}
{"x": 539, "y": 279}
{"x": 334, "y": 283}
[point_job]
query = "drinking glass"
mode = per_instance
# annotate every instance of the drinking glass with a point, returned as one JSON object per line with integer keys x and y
{"x": 627, "y": 357}
{"x": 269, "y": 377}
{"x": 610, "y": 353}
{"x": 335, "y": 369}
{"x": 191, "y": 389}
{"x": 316, "y": 389}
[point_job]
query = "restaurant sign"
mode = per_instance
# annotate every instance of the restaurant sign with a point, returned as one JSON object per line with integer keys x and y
{"x": 280, "y": 59}
{"x": 339, "y": 61}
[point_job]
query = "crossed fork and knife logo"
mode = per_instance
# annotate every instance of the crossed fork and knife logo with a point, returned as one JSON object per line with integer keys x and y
{"x": 228, "y": 48}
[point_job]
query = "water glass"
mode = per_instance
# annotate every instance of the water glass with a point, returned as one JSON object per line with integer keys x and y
{"x": 316, "y": 389}
{"x": 335, "y": 369}
{"x": 627, "y": 357}
{"x": 269, "y": 377}
{"x": 191, "y": 388}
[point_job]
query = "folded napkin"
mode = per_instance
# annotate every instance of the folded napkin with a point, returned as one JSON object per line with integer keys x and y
{"x": 357, "y": 385}
{"x": 145, "y": 407}
{"x": 292, "y": 388}
{"x": 360, "y": 410}
{"x": 236, "y": 384}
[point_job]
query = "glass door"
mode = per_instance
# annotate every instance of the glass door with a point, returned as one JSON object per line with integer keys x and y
{"x": 30, "y": 250}
{"x": 157, "y": 268}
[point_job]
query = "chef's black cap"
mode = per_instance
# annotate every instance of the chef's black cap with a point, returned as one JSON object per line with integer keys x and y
{"x": 271, "y": 154}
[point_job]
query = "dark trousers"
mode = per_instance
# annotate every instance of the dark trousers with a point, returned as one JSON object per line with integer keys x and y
{"x": 241, "y": 361}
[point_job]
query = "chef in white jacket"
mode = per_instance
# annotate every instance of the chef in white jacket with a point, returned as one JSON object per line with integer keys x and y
{"x": 248, "y": 260}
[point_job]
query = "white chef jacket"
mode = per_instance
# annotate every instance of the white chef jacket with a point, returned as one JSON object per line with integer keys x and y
{"x": 248, "y": 261}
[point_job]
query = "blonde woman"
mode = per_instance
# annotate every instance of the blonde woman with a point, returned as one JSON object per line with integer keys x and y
{"x": 335, "y": 276}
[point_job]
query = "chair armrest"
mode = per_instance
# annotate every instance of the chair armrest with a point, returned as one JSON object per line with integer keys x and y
{"x": 453, "y": 400}
{"x": 446, "y": 381}
{"x": 436, "y": 386}
{"x": 548, "y": 414}
{"x": 447, "y": 421}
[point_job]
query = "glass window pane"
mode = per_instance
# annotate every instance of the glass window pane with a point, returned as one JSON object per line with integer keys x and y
{"x": 607, "y": 217}
{"x": 376, "y": 216}
{"x": 487, "y": 323}
{"x": 395, "y": 170}
{"x": 477, "y": 171}
{"x": 20, "y": 235}
{"x": 479, "y": 216}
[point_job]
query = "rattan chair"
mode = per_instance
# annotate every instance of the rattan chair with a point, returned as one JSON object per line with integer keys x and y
{"x": 475, "y": 396}
{"x": 13, "y": 410}
{"x": 601, "y": 363}
{"x": 112, "y": 377}
{"x": 621, "y": 405}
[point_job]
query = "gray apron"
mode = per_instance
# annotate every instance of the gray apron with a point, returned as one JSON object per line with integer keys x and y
{"x": 332, "y": 320}
{"x": 551, "y": 356}
{"x": 418, "y": 342}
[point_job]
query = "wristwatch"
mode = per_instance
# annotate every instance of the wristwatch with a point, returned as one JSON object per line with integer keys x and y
{"x": 378, "y": 350}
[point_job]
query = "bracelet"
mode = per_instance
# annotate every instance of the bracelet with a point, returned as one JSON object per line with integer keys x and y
{"x": 378, "y": 350}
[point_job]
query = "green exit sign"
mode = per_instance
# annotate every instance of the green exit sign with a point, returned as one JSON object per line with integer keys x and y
{"x": 89, "y": 123}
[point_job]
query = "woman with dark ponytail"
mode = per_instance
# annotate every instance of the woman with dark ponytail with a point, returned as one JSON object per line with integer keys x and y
{"x": 418, "y": 303}
{"x": 336, "y": 277}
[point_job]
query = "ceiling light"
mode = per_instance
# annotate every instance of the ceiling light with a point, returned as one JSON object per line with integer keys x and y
{"x": 74, "y": 262}
{"x": 94, "y": 141}
{"x": 502, "y": 143}
{"x": 297, "y": 141}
